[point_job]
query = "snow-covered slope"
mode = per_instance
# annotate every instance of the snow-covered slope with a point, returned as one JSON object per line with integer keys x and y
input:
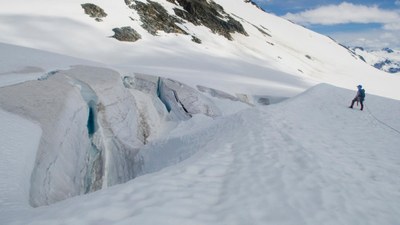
{"x": 274, "y": 53}
{"x": 309, "y": 160}
{"x": 183, "y": 113}
{"x": 386, "y": 59}
{"x": 19, "y": 64}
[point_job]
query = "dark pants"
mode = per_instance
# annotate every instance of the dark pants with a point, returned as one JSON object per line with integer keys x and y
{"x": 357, "y": 100}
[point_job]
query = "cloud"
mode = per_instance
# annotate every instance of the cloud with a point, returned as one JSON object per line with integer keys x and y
{"x": 372, "y": 39}
{"x": 397, "y": 2}
{"x": 347, "y": 13}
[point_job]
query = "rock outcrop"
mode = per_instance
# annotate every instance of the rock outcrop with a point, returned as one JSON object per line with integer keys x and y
{"x": 94, "y": 11}
{"x": 255, "y": 4}
{"x": 126, "y": 34}
{"x": 156, "y": 18}
{"x": 211, "y": 15}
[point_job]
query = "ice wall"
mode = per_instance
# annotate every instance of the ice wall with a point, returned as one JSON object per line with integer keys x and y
{"x": 94, "y": 124}
{"x": 60, "y": 160}
{"x": 118, "y": 136}
{"x": 90, "y": 131}
{"x": 180, "y": 100}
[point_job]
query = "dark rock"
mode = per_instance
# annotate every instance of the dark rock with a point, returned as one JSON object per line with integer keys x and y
{"x": 156, "y": 18}
{"x": 211, "y": 15}
{"x": 128, "y": 2}
{"x": 94, "y": 11}
{"x": 383, "y": 63}
{"x": 126, "y": 34}
{"x": 394, "y": 70}
{"x": 262, "y": 30}
{"x": 388, "y": 50}
{"x": 362, "y": 58}
{"x": 255, "y": 4}
{"x": 360, "y": 48}
{"x": 393, "y": 66}
{"x": 196, "y": 39}
{"x": 270, "y": 43}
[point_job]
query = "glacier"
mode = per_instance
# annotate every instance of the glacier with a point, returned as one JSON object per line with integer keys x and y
{"x": 252, "y": 130}
{"x": 94, "y": 123}
{"x": 306, "y": 160}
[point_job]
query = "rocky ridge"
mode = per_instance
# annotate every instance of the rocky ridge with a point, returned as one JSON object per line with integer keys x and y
{"x": 155, "y": 18}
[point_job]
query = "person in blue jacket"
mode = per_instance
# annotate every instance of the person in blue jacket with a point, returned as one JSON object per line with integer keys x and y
{"x": 360, "y": 96}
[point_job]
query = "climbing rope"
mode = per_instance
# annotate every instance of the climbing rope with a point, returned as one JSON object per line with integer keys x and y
{"x": 380, "y": 121}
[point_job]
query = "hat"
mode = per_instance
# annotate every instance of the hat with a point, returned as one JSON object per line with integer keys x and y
{"x": 359, "y": 86}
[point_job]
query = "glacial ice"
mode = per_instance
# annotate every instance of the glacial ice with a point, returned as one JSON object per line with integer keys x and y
{"x": 95, "y": 123}
{"x": 60, "y": 159}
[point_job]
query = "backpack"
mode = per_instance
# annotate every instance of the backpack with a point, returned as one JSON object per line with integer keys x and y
{"x": 362, "y": 94}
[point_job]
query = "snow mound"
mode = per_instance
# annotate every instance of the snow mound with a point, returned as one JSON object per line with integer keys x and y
{"x": 307, "y": 160}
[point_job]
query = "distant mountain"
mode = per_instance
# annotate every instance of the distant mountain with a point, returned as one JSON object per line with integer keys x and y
{"x": 386, "y": 59}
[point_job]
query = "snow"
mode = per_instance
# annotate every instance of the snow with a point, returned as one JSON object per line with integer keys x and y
{"x": 60, "y": 111}
{"x": 321, "y": 163}
{"x": 388, "y": 59}
{"x": 20, "y": 64}
{"x": 281, "y": 69}
{"x": 72, "y": 141}
{"x": 19, "y": 140}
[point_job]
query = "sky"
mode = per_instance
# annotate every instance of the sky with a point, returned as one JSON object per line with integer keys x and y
{"x": 372, "y": 24}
